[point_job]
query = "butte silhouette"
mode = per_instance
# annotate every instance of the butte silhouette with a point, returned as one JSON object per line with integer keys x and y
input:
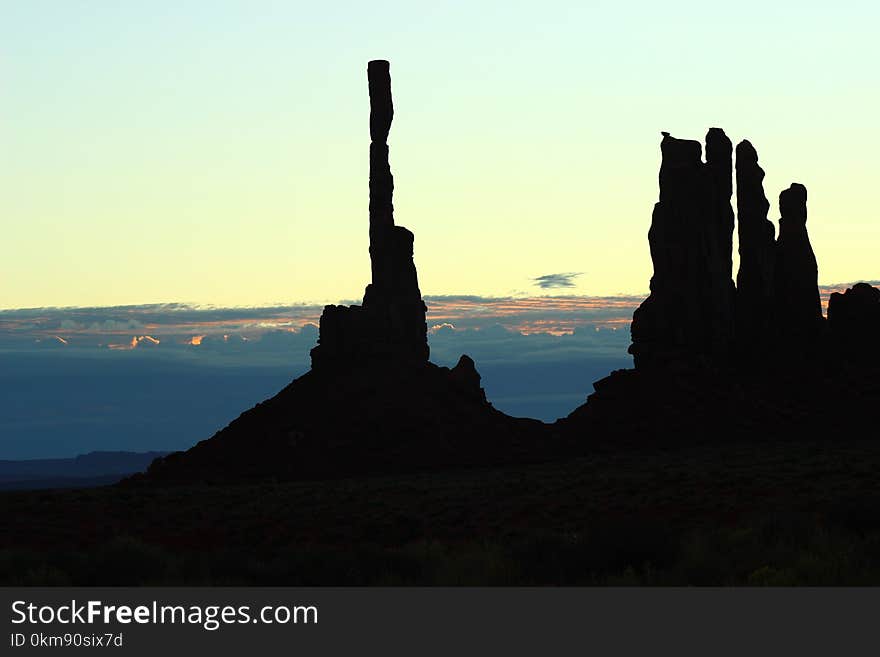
{"x": 714, "y": 359}
{"x": 748, "y": 361}
{"x": 372, "y": 401}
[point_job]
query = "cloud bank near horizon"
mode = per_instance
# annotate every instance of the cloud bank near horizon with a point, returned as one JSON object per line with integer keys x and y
{"x": 162, "y": 377}
{"x": 213, "y": 329}
{"x": 198, "y": 328}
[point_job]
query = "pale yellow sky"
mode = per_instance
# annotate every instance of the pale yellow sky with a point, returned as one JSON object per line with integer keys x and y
{"x": 217, "y": 153}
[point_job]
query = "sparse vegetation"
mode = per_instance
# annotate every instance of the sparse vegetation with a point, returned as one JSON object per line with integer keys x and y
{"x": 769, "y": 515}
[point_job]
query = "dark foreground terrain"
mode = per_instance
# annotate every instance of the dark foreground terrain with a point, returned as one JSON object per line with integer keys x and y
{"x": 775, "y": 513}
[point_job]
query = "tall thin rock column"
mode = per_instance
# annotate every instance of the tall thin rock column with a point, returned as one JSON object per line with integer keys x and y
{"x": 390, "y": 327}
{"x": 394, "y": 295}
{"x": 797, "y": 306}
{"x": 381, "y": 180}
{"x": 719, "y": 162}
{"x": 754, "y": 281}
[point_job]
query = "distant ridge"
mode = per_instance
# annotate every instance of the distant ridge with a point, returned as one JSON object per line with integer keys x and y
{"x": 94, "y": 468}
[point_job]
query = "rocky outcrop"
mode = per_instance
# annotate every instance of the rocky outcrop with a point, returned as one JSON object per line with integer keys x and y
{"x": 372, "y": 401}
{"x": 373, "y": 419}
{"x": 791, "y": 379}
{"x": 689, "y": 314}
{"x": 797, "y": 306}
{"x": 389, "y": 327}
{"x": 757, "y": 255}
{"x": 695, "y": 315}
{"x": 854, "y": 321}
{"x": 719, "y": 162}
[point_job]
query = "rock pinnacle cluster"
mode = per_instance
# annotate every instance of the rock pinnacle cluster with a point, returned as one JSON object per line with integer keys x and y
{"x": 752, "y": 361}
{"x": 695, "y": 314}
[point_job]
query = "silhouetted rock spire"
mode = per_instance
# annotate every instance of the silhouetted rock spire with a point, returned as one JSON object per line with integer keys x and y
{"x": 372, "y": 402}
{"x": 787, "y": 377}
{"x": 719, "y": 162}
{"x": 390, "y": 326}
{"x": 381, "y": 180}
{"x": 689, "y": 313}
{"x": 695, "y": 315}
{"x": 754, "y": 281}
{"x": 797, "y": 307}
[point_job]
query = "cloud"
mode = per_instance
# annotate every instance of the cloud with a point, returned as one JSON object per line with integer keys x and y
{"x": 825, "y": 291}
{"x": 555, "y": 315}
{"x": 76, "y": 398}
{"x": 552, "y": 281}
{"x": 288, "y": 332}
{"x": 184, "y": 371}
{"x": 442, "y": 327}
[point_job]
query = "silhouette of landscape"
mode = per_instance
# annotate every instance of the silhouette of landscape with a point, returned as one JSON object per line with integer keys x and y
{"x": 740, "y": 449}
{"x": 92, "y": 469}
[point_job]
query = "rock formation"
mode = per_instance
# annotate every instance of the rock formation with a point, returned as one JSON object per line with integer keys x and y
{"x": 719, "y": 161}
{"x": 797, "y": 307}
{"x": 689, "y": 314}
{"x": 372, "y": 401}
{"x": 757, "y": 255}
{"x": 791, "y": 379}
{"x": 390, "y": 325}
{"x": 854, "y": 321}
{"x": 695, "y": 315}
{"x": 713, "y": 361}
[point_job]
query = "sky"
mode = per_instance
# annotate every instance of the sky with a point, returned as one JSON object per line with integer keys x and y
{"x": 183, "y": 185}
{"x": 216, "y": 152}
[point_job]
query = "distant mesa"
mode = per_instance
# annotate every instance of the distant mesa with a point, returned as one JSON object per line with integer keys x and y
{"x": 83, "y": 471}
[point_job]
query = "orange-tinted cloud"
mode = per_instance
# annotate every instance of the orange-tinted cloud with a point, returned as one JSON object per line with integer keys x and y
{"x": 136, "y": 341}
{"x": 127, "y": 327}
